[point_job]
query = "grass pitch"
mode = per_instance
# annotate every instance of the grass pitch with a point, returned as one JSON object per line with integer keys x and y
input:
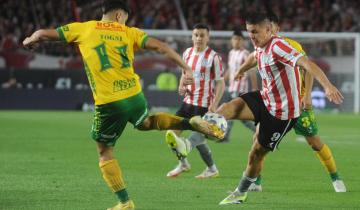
{"x": 48, "y": 161}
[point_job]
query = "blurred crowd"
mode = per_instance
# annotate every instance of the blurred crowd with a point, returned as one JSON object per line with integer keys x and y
{"x": 295, "y": 15}
{"x": 20, "y": 18}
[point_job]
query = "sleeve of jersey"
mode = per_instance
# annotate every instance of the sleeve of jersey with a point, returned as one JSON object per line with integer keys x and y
{"x": 218, "y": 67}
{"x": 140, "y": 38}
{"x": 70, "y": 32}
{"x": 297, "y": 46}
{"x": 284, "y": 53}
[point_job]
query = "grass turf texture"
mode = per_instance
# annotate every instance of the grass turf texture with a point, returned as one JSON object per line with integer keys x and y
{"x": 47, "y": 161}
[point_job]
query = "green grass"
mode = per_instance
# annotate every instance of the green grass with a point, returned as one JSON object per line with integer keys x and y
{"x": 47, "y": 161}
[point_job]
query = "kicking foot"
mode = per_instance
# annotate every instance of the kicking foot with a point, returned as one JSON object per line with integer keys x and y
{"x": 206, "y": 128}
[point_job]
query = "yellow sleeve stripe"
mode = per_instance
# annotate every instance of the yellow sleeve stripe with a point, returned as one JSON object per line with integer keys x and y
{"x": 61, "y": 34}
{"x": 145, "y": 39}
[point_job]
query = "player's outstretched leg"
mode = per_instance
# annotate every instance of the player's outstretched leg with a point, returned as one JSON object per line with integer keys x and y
{"x": 165, "y": 121}
{"x": 112, "y": 175}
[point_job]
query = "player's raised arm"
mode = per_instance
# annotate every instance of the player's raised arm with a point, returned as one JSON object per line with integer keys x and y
{"x": 309, "y": 81}
{"x": 39, "y": 36}
{"x": 249, "y": 63}
{"x": 163, "y": 48}
{"x": 332, "y": 93}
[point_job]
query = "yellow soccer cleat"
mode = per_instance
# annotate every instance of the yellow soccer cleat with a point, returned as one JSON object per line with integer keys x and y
{"x": 206, "y": 128}
{"x": 129, "y": 205}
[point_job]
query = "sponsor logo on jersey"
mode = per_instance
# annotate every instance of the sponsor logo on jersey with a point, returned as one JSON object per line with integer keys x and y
{"x": 109, "y": 26}
{"x": 120, "y": 85}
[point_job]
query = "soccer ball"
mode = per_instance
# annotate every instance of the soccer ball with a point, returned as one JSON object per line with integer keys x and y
{"x": 216, "y": 119}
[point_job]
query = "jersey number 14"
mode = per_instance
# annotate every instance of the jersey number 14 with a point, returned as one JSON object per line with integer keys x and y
{"x": 104, "y": 58}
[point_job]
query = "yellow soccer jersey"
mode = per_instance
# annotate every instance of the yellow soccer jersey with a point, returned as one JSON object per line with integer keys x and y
{"x": 107, "y": 49}
{"x": 297, "y": 46}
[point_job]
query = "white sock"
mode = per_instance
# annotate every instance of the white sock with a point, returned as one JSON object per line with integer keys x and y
{"x": 213, "y": 168}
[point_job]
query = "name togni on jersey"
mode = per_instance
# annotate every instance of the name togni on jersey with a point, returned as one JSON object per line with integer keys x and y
{"x": 120, "y": 85}
{"x": 110, "y": 37}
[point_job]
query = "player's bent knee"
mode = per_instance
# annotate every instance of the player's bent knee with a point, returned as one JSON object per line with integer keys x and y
{"x": 146, "y": 124}
{"x": 314, "y": 142}
{"x": 105, "y": 152}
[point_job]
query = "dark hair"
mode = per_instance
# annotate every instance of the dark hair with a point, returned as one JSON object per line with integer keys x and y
{"x": 273, "y": 18}
{"x": 256, "y": 17}
{"x": 110, "y": 5}
{"x": 238, "y": 32}
{"x": 201, "y": 26}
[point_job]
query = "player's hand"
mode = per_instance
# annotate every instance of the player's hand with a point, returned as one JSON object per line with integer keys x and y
{"x": 182, "y": 90}
{"x": 333, "y": 94}
{"x": 30, "y": 43}
{"x": 187, "y": 77}
{"x": 238, "y": 75}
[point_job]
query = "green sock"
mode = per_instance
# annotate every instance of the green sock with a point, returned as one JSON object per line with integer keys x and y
{"x": 258, "y": 180}
{"x": 334, "y": 176}
{"x": 122, "y": 195}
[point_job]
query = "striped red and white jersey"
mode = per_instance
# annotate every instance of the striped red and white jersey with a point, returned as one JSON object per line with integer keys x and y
{"x": 280, "y": 78}
{"x": 207, "y": 68}
{"x": 235, "y": 59}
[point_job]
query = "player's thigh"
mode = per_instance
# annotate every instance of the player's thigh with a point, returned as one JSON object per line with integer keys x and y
{"x": 306, "y": 124}
{"x": 236, "y": 109}
{"x": 110, "y": 119}
{"x": 138, "y": 112}
{"x": 273, "y": 130}
{"x": 107, "y": 127}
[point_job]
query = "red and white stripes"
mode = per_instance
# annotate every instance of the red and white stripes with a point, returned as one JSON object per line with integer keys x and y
{"x": 207, "y": 68}
{"x": 280, "y": 78}
{"x": 235, "y": 59}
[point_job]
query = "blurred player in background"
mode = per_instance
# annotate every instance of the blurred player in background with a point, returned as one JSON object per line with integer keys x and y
{"x": 203, "y": 95}
{"x": 277, "y": 106}
{"x": 306, "y": 124}
{"x": 236, "y": 57}
{"x": 107, "y": 48}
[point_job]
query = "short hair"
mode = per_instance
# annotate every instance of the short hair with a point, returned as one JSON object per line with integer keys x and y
{"x": 273, "y": 18}
{"x": 110, "y": 5}
{"x": 238, "y": 32}
{"x": 256, "y": 17}
{"x": 201, "y": 26}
